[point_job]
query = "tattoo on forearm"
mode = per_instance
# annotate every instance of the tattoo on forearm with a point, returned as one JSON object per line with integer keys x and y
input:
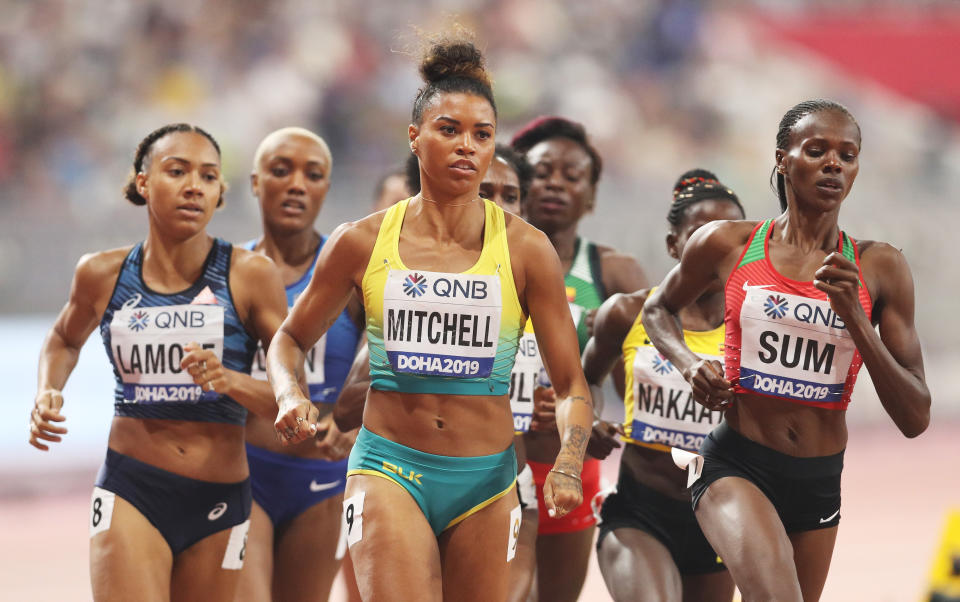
{"x": 575, "y": 444}
{"x": 582, "y": 399}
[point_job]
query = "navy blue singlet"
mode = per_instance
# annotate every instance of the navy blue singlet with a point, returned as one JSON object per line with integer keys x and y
{"x": 145, "y": 332}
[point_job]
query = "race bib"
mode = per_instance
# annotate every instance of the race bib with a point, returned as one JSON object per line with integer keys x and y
{"x": 528, "y": 373}
{"x": 793, "y": 347}
{"x": 523, "y": 379}
{"x": 148, "y": 344}
{"x": 441, "y": 324}
{"x": 312, "y": 367}
{"x": 665, "y": 412}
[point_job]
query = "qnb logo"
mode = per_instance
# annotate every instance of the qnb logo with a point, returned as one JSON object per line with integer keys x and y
{"x": 662, "y": 365}
{"x": 217, "y": 511}
{"x": 775, "y": 307}
{"x": 138, "y": 321}
{"x": 414, "y": 284}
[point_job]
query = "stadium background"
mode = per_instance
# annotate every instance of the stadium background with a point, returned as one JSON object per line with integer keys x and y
{"x": 662, "y": 86}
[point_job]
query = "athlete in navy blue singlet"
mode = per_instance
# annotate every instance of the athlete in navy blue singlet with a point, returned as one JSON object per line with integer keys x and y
{"x": 180, "y": 315}
{"x": 298, "y": 490}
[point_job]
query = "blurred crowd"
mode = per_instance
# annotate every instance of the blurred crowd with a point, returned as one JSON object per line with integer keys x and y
{"x": 662, "y": 86}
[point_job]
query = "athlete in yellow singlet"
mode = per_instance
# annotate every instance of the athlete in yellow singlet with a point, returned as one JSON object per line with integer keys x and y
{"x": 447, "y": 282}
{"x": 650, "y": 546}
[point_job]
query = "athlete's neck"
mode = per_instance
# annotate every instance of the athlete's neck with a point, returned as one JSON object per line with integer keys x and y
{"x": 808, "y": 230}
{"x": 289, "y": 250}
{"x": 564, "y": 242}
{"x": 172, "y": 265}
{"x": 446, "y": 219}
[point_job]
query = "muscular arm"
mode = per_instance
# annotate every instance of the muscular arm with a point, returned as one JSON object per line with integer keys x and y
{"x": 348, "y": 411}
{"x": 611, "y": 325}
{"x": 337, "y": 274}
{"x": 547, "y": 305}
{"x": 707, "y": 261}
{"x": 259, "y": 287}
{"x": 92, "y": 282}
{"x": 893, "y": 357}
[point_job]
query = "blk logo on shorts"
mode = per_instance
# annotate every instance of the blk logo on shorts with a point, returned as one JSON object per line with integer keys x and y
{"x": 138, "y": 321}
{"x": 775, "y": 307}
{"x": 414, "y": 284}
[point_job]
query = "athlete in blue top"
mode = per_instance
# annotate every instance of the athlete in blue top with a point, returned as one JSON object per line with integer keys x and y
{"x": 297, "y": 490}
{"x": 180, "y": 315}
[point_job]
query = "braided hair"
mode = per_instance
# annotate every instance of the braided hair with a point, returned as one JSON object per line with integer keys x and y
{"x": 694, "y": 186}
{"x": 141, "y": 164}
{"x": 452, "y": 65}
{"x": 789, "y": 120}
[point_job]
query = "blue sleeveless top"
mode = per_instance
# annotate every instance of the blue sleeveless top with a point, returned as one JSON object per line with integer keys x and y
{"x": 328, "y": 363}
{"x": 145, "y": 332}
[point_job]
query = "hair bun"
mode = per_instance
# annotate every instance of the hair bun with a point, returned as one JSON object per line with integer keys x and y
{"x": 447, "y": 59}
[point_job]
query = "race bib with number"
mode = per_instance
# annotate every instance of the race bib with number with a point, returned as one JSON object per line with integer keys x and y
{"x": 793, "y": 347}
{"x": 665, "y": 411}
{"x": 441, "y": 324}
{"x": 148, "y": 344}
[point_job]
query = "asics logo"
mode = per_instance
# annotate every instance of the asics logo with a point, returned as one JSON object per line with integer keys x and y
{"x": 315, "y": 487}
{"x": 217, "y": 511}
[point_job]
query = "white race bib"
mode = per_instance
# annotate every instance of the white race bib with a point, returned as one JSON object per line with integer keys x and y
{"x": 665, "y": 412}
{"x": 523, "y": 379}
{"x": 793, "y": 347}
{"x": 441, "y": 324}
{"x": 312, "y": 365}
{"x": 147, "y": 344}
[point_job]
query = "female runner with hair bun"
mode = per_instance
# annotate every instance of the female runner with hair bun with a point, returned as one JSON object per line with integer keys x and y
{"x": 447, "y": 281}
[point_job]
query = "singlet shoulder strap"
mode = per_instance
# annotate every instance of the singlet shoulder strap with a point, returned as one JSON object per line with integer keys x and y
{"x": 754, "y": 251}
{"x": 596, "y": 268}
{"x": 385, "y": 247}
{"x": 580, "y": 267}
{"x": 850, "y": 250}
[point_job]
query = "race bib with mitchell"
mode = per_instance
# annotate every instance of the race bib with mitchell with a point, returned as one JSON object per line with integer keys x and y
{"x": 441, "y": 324}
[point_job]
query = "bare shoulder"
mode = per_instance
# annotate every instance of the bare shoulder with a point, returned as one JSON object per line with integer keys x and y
{"x": 250, "y": 264}
{"x": 724, "y": 235}
{"x": 523, "y": 237}
{"x": 96, "y": 275}
{"x": 358, "y": 236}
{"x": 619, "y": 312}
{"x": 101, "y": 268}
{"x": 884, "y": 268}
